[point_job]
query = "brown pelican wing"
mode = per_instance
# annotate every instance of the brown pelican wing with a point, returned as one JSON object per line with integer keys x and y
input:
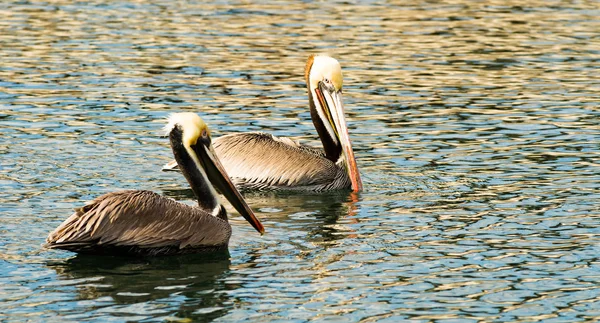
{"x": 139, "y": 219}
{"x": 261, "y": 160}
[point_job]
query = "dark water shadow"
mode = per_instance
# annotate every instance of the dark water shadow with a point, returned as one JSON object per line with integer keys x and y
{"x": 194, "y": 278}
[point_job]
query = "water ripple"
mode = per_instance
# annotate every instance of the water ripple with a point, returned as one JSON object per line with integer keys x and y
{"x": 475, "y": 125}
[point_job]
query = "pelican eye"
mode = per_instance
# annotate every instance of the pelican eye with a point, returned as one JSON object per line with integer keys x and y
{"x": 327, "y": 85}
{"x": 204, "y": 134}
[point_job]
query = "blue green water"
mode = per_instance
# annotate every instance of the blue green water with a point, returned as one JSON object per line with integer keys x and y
{"x": 475, "y": 126}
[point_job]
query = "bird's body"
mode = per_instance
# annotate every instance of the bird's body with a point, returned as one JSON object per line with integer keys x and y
{"x": 261, "y": 161}
{"x": 283, "y": 164}
{"x": 139, "y": 222}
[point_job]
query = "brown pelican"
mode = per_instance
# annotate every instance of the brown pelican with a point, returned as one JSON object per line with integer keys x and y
{"x": 145, "y": 223}
{"x": 259, "y": 160}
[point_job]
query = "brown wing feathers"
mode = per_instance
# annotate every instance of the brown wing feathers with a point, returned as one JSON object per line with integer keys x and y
{"x": 262, "y": 159}
{"x": 142, "y": 219}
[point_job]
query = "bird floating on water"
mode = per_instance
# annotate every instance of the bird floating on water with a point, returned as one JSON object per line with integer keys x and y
{"x": 138, "y": 222}
{"x": 258, "y": 160}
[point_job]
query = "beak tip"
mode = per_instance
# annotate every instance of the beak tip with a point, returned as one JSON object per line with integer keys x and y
{"x": 357, "y": 185}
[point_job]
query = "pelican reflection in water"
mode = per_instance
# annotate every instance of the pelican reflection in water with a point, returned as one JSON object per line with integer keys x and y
{"x": 257, "y": 160}
{"x": 144, "y": 223}
{"x": 127, "y": 280}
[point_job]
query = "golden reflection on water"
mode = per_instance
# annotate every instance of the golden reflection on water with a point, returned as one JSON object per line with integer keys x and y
{"x": 474, "y": 124}
{"x": 487, "y": 44}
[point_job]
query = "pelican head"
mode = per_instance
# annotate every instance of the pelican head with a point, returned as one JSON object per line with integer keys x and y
{"x": 324, "y": 81}
{"x": 191, "y": 144}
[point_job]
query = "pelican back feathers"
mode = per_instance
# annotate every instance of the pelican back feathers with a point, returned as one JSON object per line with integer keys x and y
{"x": 259, "y": 160}
{"x": 140, "y": 222}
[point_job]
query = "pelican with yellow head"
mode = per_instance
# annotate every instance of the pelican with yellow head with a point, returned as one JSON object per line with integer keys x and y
{"x": 138, "y": 222}
{"x": 258, "y": 160}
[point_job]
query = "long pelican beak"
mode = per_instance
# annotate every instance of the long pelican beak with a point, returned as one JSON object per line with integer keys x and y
{"x": 218, "y": 177}
{"x": 331, "y": 101}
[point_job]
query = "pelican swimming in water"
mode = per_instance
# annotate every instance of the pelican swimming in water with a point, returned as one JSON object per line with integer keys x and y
{"x": 145, "y": 223}
{"x": 259, "y": 160}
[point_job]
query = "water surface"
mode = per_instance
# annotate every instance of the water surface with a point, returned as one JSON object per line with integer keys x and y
{"x": 475, "y": 126}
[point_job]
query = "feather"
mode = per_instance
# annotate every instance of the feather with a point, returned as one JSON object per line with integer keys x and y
{"x": 141, "y": 222}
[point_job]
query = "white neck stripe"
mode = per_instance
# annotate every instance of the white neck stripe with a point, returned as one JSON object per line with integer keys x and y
{"x": 324, "y": 119}
{"x": 194, "y": 157}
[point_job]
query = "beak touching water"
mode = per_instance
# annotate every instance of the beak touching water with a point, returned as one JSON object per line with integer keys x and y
{"x": 218, "y": 177}
{"x": 331, "y": 101}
